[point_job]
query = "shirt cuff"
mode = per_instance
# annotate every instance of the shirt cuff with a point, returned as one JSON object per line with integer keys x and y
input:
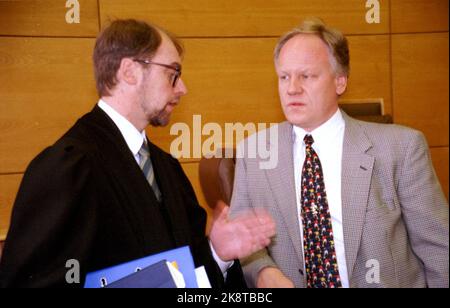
{"x": 224, "y": 265}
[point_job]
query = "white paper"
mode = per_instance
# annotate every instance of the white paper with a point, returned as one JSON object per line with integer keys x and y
{"x": 202, "y": 278}
{"x": 176, "y": 275}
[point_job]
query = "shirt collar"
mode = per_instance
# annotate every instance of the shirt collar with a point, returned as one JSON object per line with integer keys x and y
{"x": 326, "y": 133}
{"x": 132, "y": 136}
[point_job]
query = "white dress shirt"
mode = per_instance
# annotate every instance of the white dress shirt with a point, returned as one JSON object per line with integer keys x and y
{"x": 134, "y": 140}
{"x": 328, "y": 144}
{"x": 132, "y": 136}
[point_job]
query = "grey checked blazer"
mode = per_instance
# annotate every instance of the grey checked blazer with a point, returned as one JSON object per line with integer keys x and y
{"x": 393, "y": 208}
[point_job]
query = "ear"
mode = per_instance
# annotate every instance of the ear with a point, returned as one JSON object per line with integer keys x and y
{"x": 128, "y": 71}
{"x": 341, "y": 84}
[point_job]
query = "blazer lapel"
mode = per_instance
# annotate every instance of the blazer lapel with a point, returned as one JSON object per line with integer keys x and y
{"x": 282, "y": 184}
{"x": 357, "y": 168}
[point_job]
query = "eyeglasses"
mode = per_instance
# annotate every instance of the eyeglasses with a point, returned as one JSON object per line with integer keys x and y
{"x": 176, "y": 68}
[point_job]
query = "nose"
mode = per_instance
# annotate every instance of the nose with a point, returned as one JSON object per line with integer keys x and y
{"x": 295, "y": 86}
{"x": 181, "y": 88}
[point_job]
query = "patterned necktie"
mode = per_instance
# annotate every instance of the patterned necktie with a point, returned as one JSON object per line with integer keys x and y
{"x": 147, "y": 169}
{"x": 320, "y": 255}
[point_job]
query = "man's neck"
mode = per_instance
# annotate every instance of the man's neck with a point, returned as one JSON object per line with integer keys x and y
{"x": 125, "y": 107}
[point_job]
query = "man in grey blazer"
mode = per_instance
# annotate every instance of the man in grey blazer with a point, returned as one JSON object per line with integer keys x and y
{"x": 356, "y": 204}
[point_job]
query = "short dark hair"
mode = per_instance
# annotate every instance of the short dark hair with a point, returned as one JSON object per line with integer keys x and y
{"x": 122, "y": 39}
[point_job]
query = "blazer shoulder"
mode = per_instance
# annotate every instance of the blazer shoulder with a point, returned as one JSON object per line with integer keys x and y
{"x": 390, "y": 133}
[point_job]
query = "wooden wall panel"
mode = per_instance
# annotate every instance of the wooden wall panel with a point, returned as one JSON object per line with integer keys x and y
{"x": 9, "y": 185}
{"x": 47, "y": 18}
{"x": 412, "y": 16}
{"x": 370, "y": 76}
{"x": 45, "y": 85}
{"x": 420, "y": 84}
{"x": 227, "y": 85}
{"x": 440, "y": 158}
{"x": 199, "y": 18}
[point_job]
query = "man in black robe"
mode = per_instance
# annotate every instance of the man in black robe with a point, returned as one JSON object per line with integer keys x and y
{"x": 103, "y": 194}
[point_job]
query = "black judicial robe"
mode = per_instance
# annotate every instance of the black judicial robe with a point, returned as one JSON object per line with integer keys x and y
{"x": 85, "y": 198}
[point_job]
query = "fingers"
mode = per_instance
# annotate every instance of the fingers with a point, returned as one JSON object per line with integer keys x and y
{"x": 245, "y": 234}
{"x": 262, "y": 234}
{"x": 259, "y": 223}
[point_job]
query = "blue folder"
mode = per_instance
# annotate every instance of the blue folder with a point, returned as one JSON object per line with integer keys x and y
{"x": 154, "y": 276}
{"x": 182, "y": 256}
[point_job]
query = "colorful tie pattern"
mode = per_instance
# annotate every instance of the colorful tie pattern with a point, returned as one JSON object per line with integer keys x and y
{"x": 320, "y": 255}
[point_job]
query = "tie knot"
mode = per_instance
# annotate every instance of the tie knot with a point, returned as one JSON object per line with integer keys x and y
{"x": 144, "y": 152}
{"x": 309, "y": 140}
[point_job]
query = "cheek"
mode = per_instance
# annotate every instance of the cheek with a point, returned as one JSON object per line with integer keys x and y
{"x": 282, "y": 94}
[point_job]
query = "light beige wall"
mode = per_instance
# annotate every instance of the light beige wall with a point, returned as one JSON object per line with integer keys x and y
{"x": 46, "y": 79}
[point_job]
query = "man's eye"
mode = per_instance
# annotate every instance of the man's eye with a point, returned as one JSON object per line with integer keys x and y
{"x": 284, "y": 77}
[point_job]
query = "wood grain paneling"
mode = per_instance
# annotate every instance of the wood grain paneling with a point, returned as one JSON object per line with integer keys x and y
{"x": 227, "y": 85}
{"x": 9, "y": 185}
{"x": 420, "y": 84}
{"x": 370, "y": 70}
{"x": 419, "y": 15}
{"x": 45, "y": 85}
{"x": 47, "y": 18}
{"x": 440, "y": 161}
{"x": 199, "y": 18}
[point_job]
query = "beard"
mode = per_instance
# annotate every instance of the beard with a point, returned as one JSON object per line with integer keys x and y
{"x": 156, "y": 118}
{"x": 160, "y": 120}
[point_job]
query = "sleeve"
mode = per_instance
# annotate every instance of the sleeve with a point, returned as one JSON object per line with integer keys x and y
{"x": 241, "y": 202}
{"x": 425, "y": 211}
{"x": 52, "y": 221}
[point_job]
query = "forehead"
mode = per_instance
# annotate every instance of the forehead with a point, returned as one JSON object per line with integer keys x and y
{"x": 167, "y": 51}
{"x": 307, "y": 49}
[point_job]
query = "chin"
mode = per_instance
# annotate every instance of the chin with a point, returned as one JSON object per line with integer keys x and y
{"x": 160, "y": 121}
{"x": 296, "y": 119}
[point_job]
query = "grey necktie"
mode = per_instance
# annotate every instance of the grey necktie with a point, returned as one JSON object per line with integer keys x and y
{"x": 147, "y": 168}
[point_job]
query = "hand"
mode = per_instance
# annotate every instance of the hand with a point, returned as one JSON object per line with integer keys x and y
{"x": 271, "y": 277}
{"x": 242, "y": 236}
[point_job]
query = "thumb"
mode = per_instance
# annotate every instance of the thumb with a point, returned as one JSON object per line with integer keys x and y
{"x": 221, "y": 211}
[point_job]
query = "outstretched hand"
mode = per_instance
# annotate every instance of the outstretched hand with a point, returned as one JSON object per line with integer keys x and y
{"x": 241, "y": 236}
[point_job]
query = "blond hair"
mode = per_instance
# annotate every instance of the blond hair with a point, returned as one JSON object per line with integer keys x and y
{"x": 334, "y": 39}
